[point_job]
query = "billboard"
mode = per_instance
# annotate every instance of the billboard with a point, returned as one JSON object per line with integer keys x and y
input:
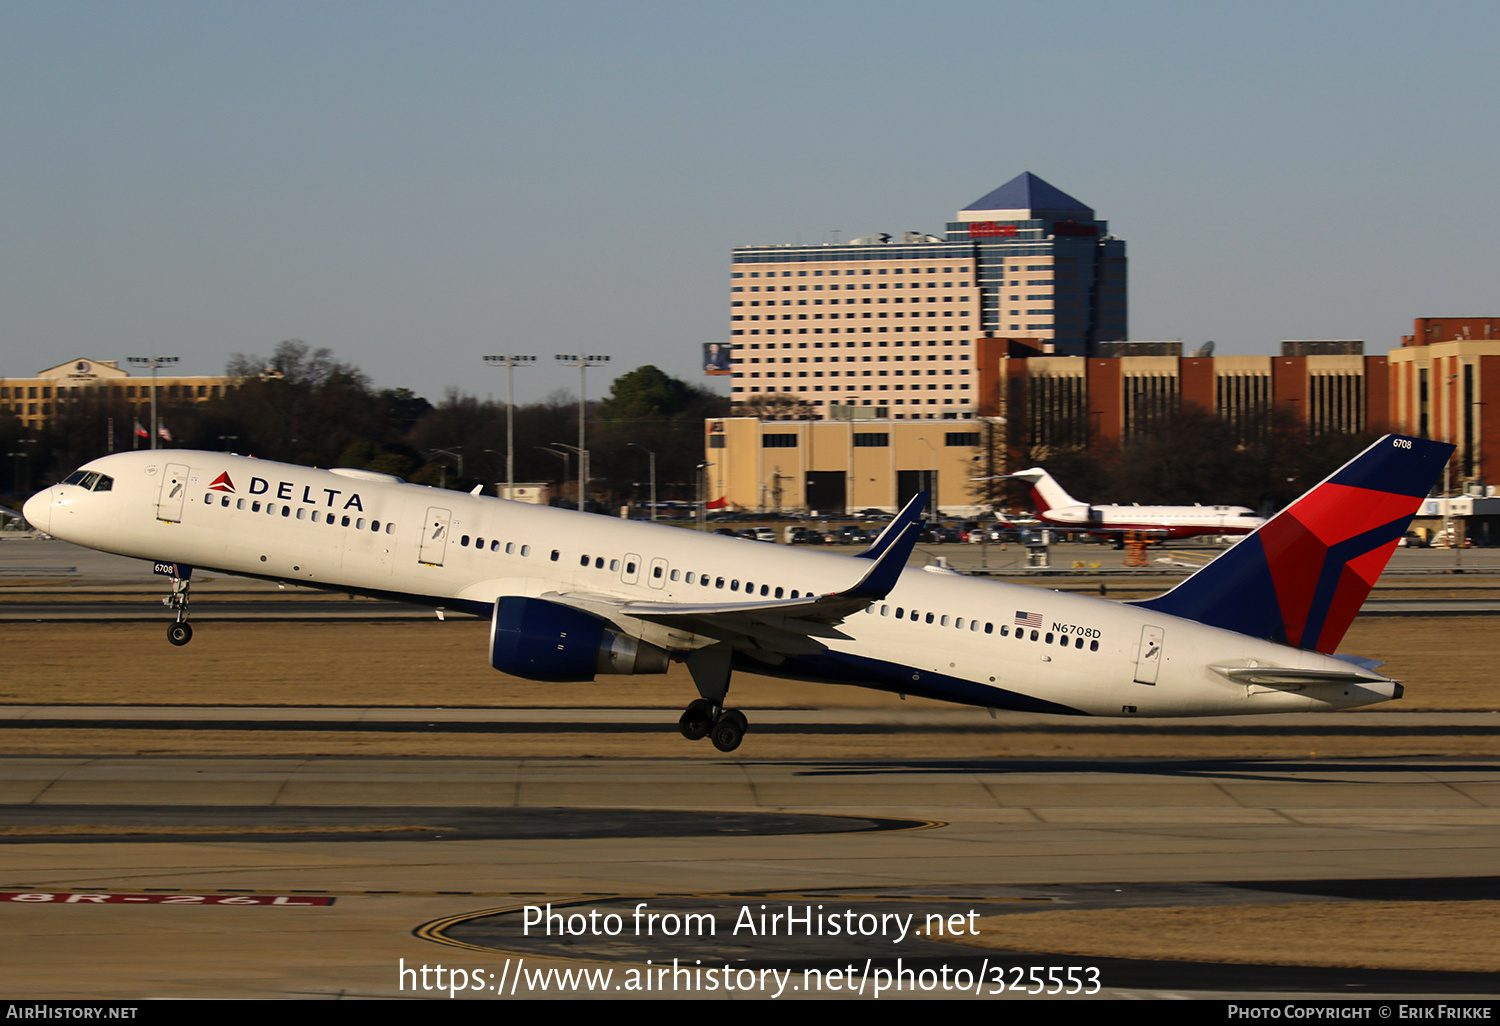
{"x": 716, "y": 357}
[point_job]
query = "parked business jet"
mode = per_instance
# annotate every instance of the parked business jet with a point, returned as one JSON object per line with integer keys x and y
{"x": 571, "y": 595}
{"x": 1057, "y": 508}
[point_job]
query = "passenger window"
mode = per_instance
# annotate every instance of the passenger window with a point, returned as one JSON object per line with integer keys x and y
{"x": 1033, "y": 635}
{"x": 656, "y": 572}
{"x": 929, "y": 617}
{"x": 989, "y": 628}
{"x": 1094, "y": 646}
{"x": 464, "y": 541}
{"x": 375, "y": 527}
{"x": 255, "y": 506}
{"x": 583, "y": 561}
{"x": 224, "y": 502}
{"x": 555, "y": 554}
{"x": 1077, "y": 642}
{"x": 525, "y": 550}
{"x": 239, "y": 503}
{"x": 614, "y": 564}
{"x": 510, "y": 548}
{"x": 344, "y": 522}
{"x": 286, "y": 511}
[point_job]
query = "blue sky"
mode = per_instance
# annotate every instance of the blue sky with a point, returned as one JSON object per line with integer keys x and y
{"x": 413, "y": 185}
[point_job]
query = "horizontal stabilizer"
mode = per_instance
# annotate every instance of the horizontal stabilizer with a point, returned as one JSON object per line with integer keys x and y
{"x": 1283, "y": 676}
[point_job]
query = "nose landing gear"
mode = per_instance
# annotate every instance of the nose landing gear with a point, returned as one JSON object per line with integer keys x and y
{"x": 179, "y": 631}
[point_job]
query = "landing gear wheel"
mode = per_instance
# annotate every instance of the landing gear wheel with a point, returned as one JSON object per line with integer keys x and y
{"x": 697, "y": 721}
{"x": 179, "y": 633}
{"x": 730, "y": 729}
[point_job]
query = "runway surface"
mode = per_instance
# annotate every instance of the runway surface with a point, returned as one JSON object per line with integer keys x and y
{"x": 256, "y": 875}
{"x": 224, "y": 892}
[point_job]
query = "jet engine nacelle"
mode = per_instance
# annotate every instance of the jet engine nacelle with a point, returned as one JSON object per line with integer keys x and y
{"x": 542, "y": 640}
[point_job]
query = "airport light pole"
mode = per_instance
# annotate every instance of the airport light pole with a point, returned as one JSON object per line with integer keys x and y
{"x": 648, "y": 452}
{"x": 932, "y": 503}
{"x": 510, "y": 363}
{"x": 583, "y": 363}
{"x": 565, "y": 457}
{"x": 153, "y": 362}
{"x": 703, "y": 495}
{"x": 456, "y": 453}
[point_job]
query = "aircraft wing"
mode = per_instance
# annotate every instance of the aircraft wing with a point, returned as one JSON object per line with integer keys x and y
{"x": 770, "y": 629}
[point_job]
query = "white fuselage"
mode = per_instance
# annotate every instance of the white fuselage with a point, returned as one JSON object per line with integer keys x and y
{"x": 937, "y": 634}
{"x": 1161, "y": 521}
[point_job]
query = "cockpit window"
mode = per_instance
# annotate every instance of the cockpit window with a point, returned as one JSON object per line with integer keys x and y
{"x": 90, "y": 480}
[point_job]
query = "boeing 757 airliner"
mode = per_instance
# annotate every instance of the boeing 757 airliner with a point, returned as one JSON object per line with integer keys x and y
{"x": 571, "y": 595}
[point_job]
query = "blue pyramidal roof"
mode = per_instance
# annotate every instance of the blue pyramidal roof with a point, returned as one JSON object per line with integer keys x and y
{"x": 1028, "y": 192}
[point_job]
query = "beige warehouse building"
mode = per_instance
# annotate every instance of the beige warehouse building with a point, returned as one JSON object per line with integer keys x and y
{"x": 838, "y": 466}
{"x": 37, "y": 400}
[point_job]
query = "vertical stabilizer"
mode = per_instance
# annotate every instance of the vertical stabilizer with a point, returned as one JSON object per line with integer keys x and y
{"x": 1301, "y": 578}
{"x": 1046, "y": 493}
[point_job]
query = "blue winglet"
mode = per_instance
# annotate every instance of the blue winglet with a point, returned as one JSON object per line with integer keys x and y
{"x": 881, "y": 578}
{"x": 911, "y": 513}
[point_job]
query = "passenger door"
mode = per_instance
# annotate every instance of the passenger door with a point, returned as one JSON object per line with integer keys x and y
{"x": 174, "y": 484}
{"x": 434, "y": 536}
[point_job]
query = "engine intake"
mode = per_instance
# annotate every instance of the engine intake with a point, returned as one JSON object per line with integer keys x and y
{"x": 542, "y": 640}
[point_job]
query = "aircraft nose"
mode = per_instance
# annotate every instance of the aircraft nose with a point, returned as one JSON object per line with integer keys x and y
{"x": 38, "y": 510}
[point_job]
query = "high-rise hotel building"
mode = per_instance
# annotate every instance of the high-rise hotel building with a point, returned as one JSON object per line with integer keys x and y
{"x": 891, "y": 322}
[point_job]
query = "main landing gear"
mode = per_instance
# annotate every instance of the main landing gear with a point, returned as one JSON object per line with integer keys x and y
{"x": 725, "y": 727}
{"x": 706, "y": 716}
{"x": 179, "y": 632}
